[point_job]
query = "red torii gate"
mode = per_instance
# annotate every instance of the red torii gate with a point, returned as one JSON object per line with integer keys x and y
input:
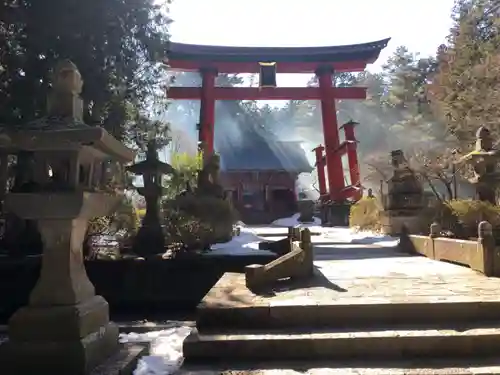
{"x": 268, "y": 61}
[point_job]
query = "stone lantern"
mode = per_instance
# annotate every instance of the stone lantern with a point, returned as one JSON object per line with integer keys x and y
{"x": 150, "y": 238}
{"x": 405, "y": 198}
{"x": 71, "y": 173}
{"x": 483, "y": 160}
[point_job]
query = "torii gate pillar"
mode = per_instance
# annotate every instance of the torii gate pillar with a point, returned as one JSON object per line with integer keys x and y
{"x": 320, "y": 169}
{"x": 331, "y": 133}
{"x": 207, "y": 111}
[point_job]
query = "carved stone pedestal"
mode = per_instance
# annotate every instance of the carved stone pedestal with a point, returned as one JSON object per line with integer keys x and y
{"x": 71, "y": 339}
{"x": 392, "y": 225}
{"x": 65, "y": 329}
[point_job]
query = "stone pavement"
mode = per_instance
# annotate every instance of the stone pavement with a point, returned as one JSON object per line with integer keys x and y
{"x": 367, "y": 275}
{"x": 366, "y": 301}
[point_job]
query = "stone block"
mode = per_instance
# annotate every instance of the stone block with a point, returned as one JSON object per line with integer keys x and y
{"x": 76, "y": 356}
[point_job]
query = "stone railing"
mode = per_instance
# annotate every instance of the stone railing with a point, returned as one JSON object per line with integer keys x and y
{"x": 480, "y": 255}
{"x": 283, "y": 246}
{"x": 296, "y": 263}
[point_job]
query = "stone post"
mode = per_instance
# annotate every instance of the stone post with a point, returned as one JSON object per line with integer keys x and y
{"x": 307, "y": 247}
{"x": 487, "y": 241}
{"x": 294, "y": 233}
{"x": 435, "y": 230}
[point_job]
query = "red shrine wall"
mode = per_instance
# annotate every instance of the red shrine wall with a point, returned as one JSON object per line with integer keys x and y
{"x": 244, "y": 180}
{"x": 261, "y": 196}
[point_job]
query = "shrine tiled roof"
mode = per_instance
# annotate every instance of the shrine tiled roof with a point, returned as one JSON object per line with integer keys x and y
{"x": 352, "y": 52}
{"x": 261, "y": 151}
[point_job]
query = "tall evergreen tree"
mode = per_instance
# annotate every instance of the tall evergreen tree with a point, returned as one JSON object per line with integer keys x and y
{"x": 116, "y": 45}
{"x": 466, "y": 90}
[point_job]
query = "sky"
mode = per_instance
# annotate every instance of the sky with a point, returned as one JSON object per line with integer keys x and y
{"x": 421, "y": 25}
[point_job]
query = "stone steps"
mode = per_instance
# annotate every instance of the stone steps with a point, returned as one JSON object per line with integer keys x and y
{"x": 485, "y": 366}
{"x": 344, "y": 344}
{"x": 376, "y": 308}
{"x": 348, "y": 314}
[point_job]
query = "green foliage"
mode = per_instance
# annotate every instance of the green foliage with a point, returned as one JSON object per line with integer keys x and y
{"x": 466, "y": 91}
{"x": 460, "y": 217}
{"x": 192, "y": 219}
{"x": 141, "y": 129}
{"x": 186, "y": 167}
{"x": 123, "y": 224}
{"x": 365, "y": 214}
{"x": 407, "y": 76}
{"x": 124, "y": 219}
{"x": 472, "y": 212}
{"x": 198, "y": 221}
{"x": 116, "y": 45}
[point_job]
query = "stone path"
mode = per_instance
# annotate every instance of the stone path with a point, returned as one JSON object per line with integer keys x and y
{"x": 368, "y": 274}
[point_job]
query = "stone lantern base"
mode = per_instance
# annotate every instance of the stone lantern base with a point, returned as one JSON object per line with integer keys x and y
{"x": 65, "y": 328}
{"x": 59, "y": 339}
{"x": 393, "y": 223}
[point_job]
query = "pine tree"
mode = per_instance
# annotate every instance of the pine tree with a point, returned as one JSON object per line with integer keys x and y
{"x": 465, "y": 92}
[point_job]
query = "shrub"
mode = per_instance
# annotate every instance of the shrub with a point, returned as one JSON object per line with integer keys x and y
{"x": 365, "y": 214}
{"x": 122, "y": 224}
{"x": 198, "y": 221}
{"x": 462, "y": 216}
{"x": 472, "y": 212}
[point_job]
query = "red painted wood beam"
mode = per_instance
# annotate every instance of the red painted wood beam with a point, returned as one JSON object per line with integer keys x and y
{"x": 207, "y": 111}
{"x": 352, "y": 191}
{"x": 254, "y": 67}
{"x": 320, "y": 168}
{"x": 268, "y": 93}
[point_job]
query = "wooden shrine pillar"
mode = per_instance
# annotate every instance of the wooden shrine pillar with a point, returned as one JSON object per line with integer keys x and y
{"x": 352, "y": 155}
{"x": 330, "y": 131}
{"x": 207, "y": 111}
{"x": 320, "y": 169}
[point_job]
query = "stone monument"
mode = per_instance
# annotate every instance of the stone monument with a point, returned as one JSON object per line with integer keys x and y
{"x": 405, "y": 198}
{"x": 65, "y": 327}
{"x": 150, "y": 238}
{"x": 484, "y": 159}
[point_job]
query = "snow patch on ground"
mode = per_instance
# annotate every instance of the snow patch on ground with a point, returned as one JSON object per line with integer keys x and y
{"x": 293, "y": 221}
{"x": 247, "y": 243}
{"x": 165, "y": 349}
